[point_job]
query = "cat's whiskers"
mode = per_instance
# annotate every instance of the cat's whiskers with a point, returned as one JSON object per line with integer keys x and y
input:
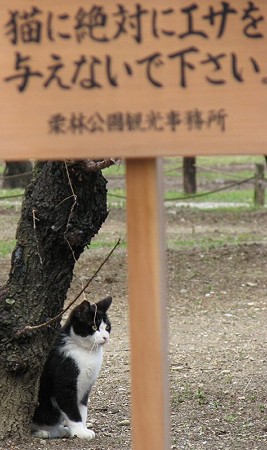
{"x": 94, "y": 347}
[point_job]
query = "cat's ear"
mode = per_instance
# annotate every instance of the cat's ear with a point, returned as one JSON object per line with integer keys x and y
{"x": 104, "y": 304}
{"x": 82, "y": 310}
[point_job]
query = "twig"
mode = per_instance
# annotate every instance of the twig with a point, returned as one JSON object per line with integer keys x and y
{"x": 64, "y": 200}
{"x": 74, "y": 196}
{"x": 89, "y": 165}
{"x": 58, "y": 316}
{"x": 34, "y": 218}
{"x": 248, "y": 383}
{"x": 93, "y": 166}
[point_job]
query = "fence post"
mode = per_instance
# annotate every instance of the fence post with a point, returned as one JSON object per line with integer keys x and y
{"x": 189, "y": 174}
{"x": 259, "y": 193}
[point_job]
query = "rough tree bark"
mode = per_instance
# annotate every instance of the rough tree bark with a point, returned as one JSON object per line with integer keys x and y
{"x": 64, "y": 207}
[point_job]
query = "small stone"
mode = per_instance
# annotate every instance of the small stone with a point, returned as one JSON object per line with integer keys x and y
{"x": 124, "y": 423}
{"x": 43, "y": 442}
{"x": 92, "y": 421}
{"x": 177, "y": 368}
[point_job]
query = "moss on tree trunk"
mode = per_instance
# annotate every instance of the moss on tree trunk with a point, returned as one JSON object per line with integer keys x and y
{"x": 63, "y": 208}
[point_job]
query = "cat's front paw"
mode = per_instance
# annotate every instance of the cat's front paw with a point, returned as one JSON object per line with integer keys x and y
{"x": 85, "y": 433}
{"x": 52, "y": 432}
{"x": 64, "y": 432}
{"x": 41, "y": 434}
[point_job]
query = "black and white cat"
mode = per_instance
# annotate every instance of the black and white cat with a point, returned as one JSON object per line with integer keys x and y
{"x": 70, "y": 371}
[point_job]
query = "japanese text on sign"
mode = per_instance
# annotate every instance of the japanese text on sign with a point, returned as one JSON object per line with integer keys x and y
{"x": 136, "y": 23}
{"x": 133, "y": 78}
{"x": 157, "y": 121}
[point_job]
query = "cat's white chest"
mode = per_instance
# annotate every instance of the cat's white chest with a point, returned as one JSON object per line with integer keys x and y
{"x": 89, "y": 364}
{"x": 88, "y": 359}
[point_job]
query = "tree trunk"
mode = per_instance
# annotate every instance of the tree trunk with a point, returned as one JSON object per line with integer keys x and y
{"x": 64, "y": 207}
{"x": 189, "y": 171}
{"x": 17, "y": 174}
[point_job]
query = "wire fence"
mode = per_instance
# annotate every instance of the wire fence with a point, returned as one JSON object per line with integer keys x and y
{"x": 204, "y": 194}
{"x": 178, "y": 198}
{"x": 6, "y": 197}
{"x": 201, "y": 194}
{"x": 17, "y": 175}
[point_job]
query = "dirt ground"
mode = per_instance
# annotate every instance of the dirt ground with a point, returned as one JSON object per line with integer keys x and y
{"x": 217, "y": 310}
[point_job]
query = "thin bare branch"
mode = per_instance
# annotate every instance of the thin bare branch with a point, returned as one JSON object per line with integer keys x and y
{"x": 92, "y": 166}
{"x": 74, "y": 196}
{"x": 58, "y": 316}
{"x": 34, "y": 219}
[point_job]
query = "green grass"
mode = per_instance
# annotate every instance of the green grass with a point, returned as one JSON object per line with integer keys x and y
{"x": 6, "y": 247}
{"x": 229, "y": 160}
{"x": 238, "y": 196}
{"x": 9, "y": 198}
{"x": 230, "y": 418}
{"x": 208, "y": 243}
{"x": 173, "y": 167}
{"x": 215, "y": 168}
{"x": 11, "y": 193}
{"x": 117, "y": 170}
{"x": 188, "y": 393}
{"x": 117, "y": 198}
{"x": 105, "y": 244}
{"x": 215, "y": 161}
{"x": 218, "y": 166}
{"x": 204, "y": 176}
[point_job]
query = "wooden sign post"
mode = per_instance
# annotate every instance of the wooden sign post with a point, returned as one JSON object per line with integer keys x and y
{"x": 146, "y": 257}
{"x": 139, "y": 80}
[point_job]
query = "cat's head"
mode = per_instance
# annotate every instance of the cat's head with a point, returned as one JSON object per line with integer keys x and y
{"x": 90, "y": 321}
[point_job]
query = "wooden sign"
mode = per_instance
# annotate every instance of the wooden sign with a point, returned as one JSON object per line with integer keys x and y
{"x": 144, "y": 79}
{"x": 132, "y": 78}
